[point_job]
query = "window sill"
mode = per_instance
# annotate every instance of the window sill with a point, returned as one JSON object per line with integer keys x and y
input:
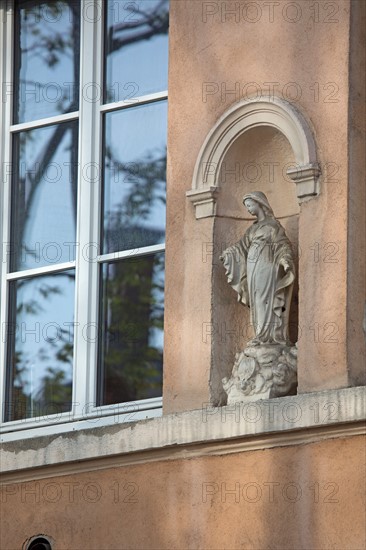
{"x": 80, "y": 418}
{"x": 271, "y": 423}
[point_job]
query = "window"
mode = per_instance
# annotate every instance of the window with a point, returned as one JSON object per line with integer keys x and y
{"x": 83, "y": 223}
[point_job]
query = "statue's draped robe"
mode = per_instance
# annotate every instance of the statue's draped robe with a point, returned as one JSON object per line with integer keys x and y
{"x": 254, "y": 271}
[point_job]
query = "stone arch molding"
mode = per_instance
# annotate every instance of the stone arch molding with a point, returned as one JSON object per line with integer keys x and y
{"x": 244, "y": 116}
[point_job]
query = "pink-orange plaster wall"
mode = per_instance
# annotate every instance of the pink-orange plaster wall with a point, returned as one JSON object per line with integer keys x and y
{"x": 301, "y": 497}
{"x": 212, "y": 60}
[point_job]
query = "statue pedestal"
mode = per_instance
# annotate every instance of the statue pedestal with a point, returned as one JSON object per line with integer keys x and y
{"x": 262, "y": 372}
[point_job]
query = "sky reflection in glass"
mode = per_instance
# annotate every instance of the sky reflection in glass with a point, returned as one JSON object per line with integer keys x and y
{"x": 41, "y": 337}
{"x": 44, "y": 196}
{"x": 135, "y": 177}
{"x": 136, "y": 48}
{"x": 47, "y": 52}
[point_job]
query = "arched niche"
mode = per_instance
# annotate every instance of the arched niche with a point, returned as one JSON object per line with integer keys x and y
{"x": 259, "y": 145}
{"x": 240, "y": 118}
{"x": 257, "y": 160}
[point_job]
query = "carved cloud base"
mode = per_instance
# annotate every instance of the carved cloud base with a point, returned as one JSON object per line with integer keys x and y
{"x": 262, "y": 372}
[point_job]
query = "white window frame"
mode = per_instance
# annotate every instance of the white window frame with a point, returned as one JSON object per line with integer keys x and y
{"x": 84, "y": 413}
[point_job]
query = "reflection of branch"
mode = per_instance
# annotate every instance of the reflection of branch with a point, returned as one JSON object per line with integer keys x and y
{"x": 48, "y": 44}
{"x": 158, "y": 23}
{"x": 43, "y": 161}
{"x": 146, "y": 177}
{"x": 148, "y": 18}
{"x": 60, "y": 45}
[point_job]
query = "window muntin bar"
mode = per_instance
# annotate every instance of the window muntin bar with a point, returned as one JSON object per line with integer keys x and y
{"x": 125, "y": 254}
{"x": 139, "y": 100}
{"x": 44, "y": 122}
{"x": 46, "y": 270}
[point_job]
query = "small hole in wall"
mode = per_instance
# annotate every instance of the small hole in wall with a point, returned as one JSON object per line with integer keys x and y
{"x": 38, "y": 543}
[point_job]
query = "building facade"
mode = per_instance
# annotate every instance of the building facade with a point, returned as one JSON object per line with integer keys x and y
{"x": 116, "y": 447}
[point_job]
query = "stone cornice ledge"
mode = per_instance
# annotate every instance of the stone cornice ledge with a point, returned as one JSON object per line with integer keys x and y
{"x": 283, "y": 421}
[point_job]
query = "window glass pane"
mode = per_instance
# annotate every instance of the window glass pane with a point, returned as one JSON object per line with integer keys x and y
{"x": 47, "y": 51}
{"x": 135, "y": 177}
{"x": 40, "y": 340}
{"x": 44, "y": 196}
{"x": 132, "y": 309}
{"x": 136, "y": 48}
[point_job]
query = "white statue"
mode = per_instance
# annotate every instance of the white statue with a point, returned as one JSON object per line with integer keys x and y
{"x": 260, "y": 268}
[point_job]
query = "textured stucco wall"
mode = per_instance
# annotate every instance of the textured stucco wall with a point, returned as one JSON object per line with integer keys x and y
{"x": 304, "y": 497}
{"x": 302, "y": 56}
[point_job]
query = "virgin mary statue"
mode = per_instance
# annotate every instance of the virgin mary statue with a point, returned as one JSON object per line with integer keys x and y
{"x": 260, "y": 268}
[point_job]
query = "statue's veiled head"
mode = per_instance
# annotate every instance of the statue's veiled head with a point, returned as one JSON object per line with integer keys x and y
{"x": 256, "y": 199}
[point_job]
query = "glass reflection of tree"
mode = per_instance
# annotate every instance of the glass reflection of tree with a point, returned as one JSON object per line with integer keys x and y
{"x": 30, "y": 182}
{"x": 54, "y": 391}
{"x": 133, "y": 308}
{"x": 133, "y": 312}
{"x": 50, "y": 46}
{"x": 144, "y": 181}
{"x": 151, "y": 22}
